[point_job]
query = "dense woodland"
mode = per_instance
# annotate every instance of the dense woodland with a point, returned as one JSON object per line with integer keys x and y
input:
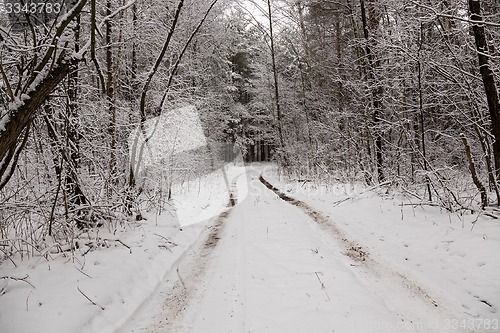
{"x": 401, "y": 93}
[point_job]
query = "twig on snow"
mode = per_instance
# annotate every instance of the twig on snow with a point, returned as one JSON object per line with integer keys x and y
{"x": 91, "y": 301}
{"x": 81, "y": 271}
{"x": 336, "y": 203}
{"x": 433, "y": 204}
{"x": 24, "y": 279}
{"x": 166, "y": 240}
{"x": 165, "y": 247}
{"x": 122, "y": 243}
{"x": 8, "y": 256}
{"x": 119, "y": 241}
{"x": 27, "y": 300}
{"x": 322, "y": 286}
{"x": 180, "y": 279}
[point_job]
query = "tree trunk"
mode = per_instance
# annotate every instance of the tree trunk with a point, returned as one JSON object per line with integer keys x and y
{"x": 488, "y": 79}
{"x": 110, "y": 95}
{"x": 10, "y": 137}
{"x": 73, "y": 188}
{"x": 22, "y": 115}
{"x": 472, "y": 169}
{"x": 376, "y": 89}
{"x": 421, "y": 111}
{"x": 275, "y": 77}
{"x": 133, "y": 85}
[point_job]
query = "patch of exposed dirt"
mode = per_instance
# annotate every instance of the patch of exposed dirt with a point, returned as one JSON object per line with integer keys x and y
{"x": 356, "y": 253}
{"x": 214, "y": 235}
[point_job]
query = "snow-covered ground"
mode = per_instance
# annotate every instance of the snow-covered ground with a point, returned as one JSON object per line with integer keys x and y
{"x": 368, "y": 264}
{"x": 451, "y": 256}
{"x": 129, "y": 265}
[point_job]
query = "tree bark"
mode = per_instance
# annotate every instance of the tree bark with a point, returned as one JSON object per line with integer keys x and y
{"x": 23, "y": 116}
{"x": 422, "y": 115}
{"x": 72, "y": 144}
{"x": 488, "y": 79}
{"x": 376, "y": 90}
{"x": 472, "y": 169}
{"x": 275, "y": 77}
{"x": 110, "y": 95}
{"x": 36, "y": 93}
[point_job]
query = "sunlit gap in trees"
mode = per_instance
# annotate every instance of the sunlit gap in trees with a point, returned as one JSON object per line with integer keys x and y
{"x": 256, "y": 13}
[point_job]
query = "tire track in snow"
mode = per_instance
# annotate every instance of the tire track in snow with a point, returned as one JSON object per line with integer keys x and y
{"x": 185, "y": 284}
{"x": 371, "y": 269}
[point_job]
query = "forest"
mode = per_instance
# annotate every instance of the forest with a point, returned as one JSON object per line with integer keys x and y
{"x": 399, "y": 93}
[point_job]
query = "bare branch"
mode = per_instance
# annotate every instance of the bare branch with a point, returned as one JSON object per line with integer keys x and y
{"x": 24, "y": 279}
{"x": 88, "y": 298}
{"x": 453, "y": 17}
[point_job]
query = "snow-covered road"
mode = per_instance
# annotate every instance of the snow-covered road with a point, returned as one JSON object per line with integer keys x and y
{"x": 271, "y": 265}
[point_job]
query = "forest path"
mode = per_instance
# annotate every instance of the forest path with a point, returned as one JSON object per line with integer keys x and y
{"x": 272, "y": 264}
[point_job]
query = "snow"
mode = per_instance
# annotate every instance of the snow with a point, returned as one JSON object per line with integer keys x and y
{"x": 450, "y": 255}
{"x": 207, "y": 204}
{"x": 112, "y": 276}
{"x": 267, "y": 277}
{"x": 16, "y": 104}
{"x": 272, "y": 268}
{"x": 4, "y": 120}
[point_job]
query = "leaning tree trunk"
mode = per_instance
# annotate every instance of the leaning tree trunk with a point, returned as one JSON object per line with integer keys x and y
{"x": 472, "y": 169}
{"x": 52, "y": 68}
{"x": 488, "y": 79}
